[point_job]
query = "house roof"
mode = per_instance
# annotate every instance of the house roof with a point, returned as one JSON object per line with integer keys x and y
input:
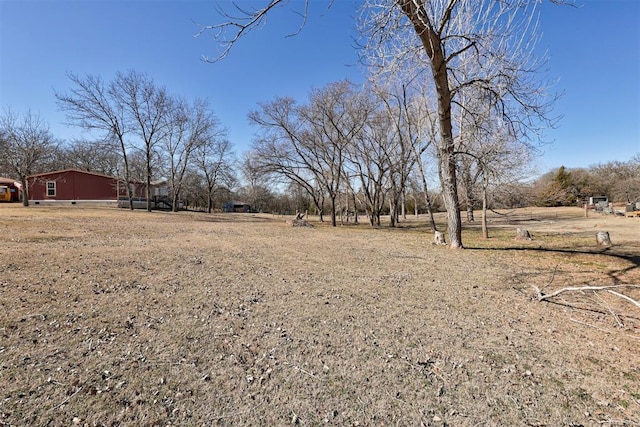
{"x": 158, "y": 183}
{"x": 5, "y": 181}
{"x": 70, "y": 170}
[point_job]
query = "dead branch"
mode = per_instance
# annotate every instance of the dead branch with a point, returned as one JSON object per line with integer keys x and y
{"x": 613, "y": 313}
{"x": 542, "y": 296}
{"x": 631, "y": 300}
{"x": 243, "y": 22}
{"x": 299, "y": 369}
{"x": 67, "y": 399}
{"x": 590, "y": 325}
{"x": 503, "y": 214}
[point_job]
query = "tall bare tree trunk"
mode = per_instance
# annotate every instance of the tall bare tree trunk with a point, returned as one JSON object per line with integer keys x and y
{"x": 485, "y": 229}
{"x": 469, "y": 196}
{"x": 148, "y": 192}
{"x": 447, "y": 172}
{"x": 25, "y": 191}
{"x": 174, "y": 202}
{"x": 393, "y": 211}
{"x": 334, "y": 222}
{"x": 355, "y": 208}
{"x": 427, "y": 199}
{"x": 127, "y": 176}
{"x": 445, "y": 151}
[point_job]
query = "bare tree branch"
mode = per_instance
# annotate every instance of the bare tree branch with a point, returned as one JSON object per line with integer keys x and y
{"x": 543, "y": 297}
{"x": 229, "y": 32}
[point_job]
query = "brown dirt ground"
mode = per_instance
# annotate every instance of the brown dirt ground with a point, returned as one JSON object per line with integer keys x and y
{"x": 110, "y": 317}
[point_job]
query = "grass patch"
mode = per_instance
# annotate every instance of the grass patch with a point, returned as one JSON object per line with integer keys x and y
{"x": 129, "y": 318}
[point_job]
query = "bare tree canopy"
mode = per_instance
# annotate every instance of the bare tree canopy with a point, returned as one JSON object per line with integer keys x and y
{"x": 213, "y": 159}
{"x": 308, "y": 144}
{"x": 156, "y": 133}
{"x": 25, "y": 142}
{"x": 239, "y": 20}
{"x": 454, "y": 45}
{"x": 190, "y": 129}
{"x": 93, "y": 105}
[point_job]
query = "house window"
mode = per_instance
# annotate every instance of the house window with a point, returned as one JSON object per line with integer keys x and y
{"x": 51, "y": 188}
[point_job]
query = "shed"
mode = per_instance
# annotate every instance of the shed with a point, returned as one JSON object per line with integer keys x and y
{"x": 72, "y": 185}
{"x": 235, "y": 206}
{"x": 13, "y": 190}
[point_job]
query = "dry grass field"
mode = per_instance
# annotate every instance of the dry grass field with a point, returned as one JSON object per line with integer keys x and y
{"x": 118, "y": 318}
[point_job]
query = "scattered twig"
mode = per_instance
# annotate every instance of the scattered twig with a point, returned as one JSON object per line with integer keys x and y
{"x": 590, "y": 325}
{"x": 67, "y": 399}
{"x": 395, "y": 398}
{"x": 311, "y": 374}
{"x": 503, "y": 214}
{"x": 613, "y": 313}
{"x": 541, "y": 296}
{"x": 631, "y": 300}
{"x": 514, "y": 401}
{"x": 235, "y": 414}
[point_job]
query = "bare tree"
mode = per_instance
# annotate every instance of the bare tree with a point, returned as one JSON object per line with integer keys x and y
{"x": 148, "y": 108}
{"x": 189, "y": 127}
{"x": 256, "y": 181}
{"x": 423, "y": 134}
{"x": 26, "y": 143}
{"x": 214, "y": 158}
{"x": 282, "y": 149}
{"x": 499, "y": 36}
{"x": 307, "y": 143}
{"x": 414, "y": 132}
{"x": 335, "y": 116}
{"x": 619, "y": 180}
{"x": 92, "y": 105}
{"x": 369, "y": 162}
{"x": 91, "y": 156}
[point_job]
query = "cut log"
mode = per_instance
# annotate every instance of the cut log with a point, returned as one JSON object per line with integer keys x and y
{"x": 602, "y": 238}
{"x": 438, "y": 238}
{"x": 522, "y": 234}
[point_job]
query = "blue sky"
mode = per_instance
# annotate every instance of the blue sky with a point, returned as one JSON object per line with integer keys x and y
{"x": 594, "y": 49}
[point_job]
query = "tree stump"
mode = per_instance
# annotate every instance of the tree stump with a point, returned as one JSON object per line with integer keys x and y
{"x": 602, "y": 238}
{"x": 522, "y": 234}
{"x": 438, "y": 238}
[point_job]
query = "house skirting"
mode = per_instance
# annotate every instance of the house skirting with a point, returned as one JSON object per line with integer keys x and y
{"x": 50, "y": 202}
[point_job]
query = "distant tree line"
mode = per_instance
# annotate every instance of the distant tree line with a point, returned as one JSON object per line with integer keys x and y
{"x": 453, "y": 91}
{"x": 470, "y": 64}
{"x": 139, "y": 133}
{"x": 153, "y": 132}
{"x": 345, "y": 153}
{"x": 617, "y": 180}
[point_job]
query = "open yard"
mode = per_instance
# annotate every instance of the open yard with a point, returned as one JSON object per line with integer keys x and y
{"x": 118, "y": 318}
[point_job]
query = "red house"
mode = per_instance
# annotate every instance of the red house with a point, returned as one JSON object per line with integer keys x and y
{"x": 71, "y": 185}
